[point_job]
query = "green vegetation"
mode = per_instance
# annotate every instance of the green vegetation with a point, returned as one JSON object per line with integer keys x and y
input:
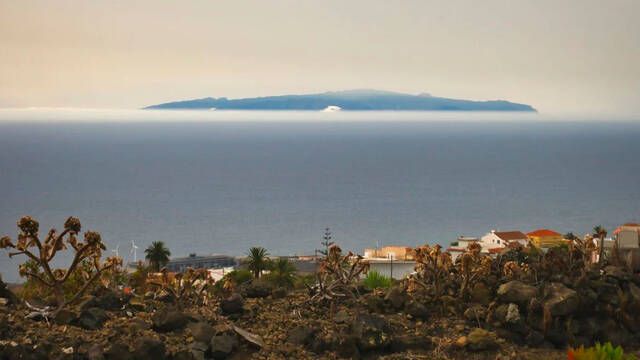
{"x": 138, "y": 279}
{"x": 599, "y": 352}
{"x": 257, "y": 261}
{"x": 282, "y": 273}
{"x": 158, "y": 255}
{"x": 235, "y": 277}
{"x": 239, "y": 276}
{"x": 375, "y": 280}
{"x": 304, "y": 281}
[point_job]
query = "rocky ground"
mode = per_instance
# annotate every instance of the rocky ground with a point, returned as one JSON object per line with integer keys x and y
{"x": 285, "y": 327}
{"x": 506, "y": 319}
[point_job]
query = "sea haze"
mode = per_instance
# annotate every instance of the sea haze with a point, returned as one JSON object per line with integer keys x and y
{"x": 234, "y": 182}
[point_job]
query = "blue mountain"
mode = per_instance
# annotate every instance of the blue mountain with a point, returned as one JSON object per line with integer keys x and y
{"x": 346, "y": 100}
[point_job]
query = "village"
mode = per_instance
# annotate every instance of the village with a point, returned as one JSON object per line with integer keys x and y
{"x": 397, "y": 262}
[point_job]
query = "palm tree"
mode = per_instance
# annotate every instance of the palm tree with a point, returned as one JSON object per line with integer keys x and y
{"x": 600, "y": 233}
{"x": 157, "y": 254}
{"x": 257, "y": 260}
{"x": 282, "y": 271}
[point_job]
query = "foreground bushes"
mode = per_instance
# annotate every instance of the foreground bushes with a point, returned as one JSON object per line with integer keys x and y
{"x": 599, "y": 352}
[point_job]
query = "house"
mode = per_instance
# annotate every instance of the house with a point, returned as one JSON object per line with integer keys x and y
{"x": 501, "y": 239}
{"x": 391, "y": 261}
{"x": 545, "y": 238}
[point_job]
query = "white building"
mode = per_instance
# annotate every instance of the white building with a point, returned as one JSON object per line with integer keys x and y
{"x": 460, "y": 246}
{"x": 500, "y": 239}
{"x": 391, "y": 261}
{"x": 490, "y": 243}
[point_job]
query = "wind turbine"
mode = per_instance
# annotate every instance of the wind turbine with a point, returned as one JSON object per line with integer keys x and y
{"x": 134, "y": 252}
{"x": 115, "y": 251}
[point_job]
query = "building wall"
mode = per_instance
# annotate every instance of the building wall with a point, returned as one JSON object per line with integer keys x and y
{"x": 491, "y": 241}
{"x": 628, "y": 239}
{"x": 547, "y": 241}
{"x": 400, "y": 269}
{"x": 396, "y": 252}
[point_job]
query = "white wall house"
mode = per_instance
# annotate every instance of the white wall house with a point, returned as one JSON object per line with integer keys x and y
{"x": 500, "y": 239}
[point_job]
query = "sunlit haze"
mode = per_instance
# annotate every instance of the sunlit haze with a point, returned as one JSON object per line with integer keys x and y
{"x": 579, "y": 56}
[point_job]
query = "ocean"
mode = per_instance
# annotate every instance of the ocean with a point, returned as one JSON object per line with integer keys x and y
{"x": 221, "y": 182}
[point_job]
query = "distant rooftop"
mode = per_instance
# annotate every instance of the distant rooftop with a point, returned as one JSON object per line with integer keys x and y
{"x": 510, "y": 235}
{"x": 544, "y": 232}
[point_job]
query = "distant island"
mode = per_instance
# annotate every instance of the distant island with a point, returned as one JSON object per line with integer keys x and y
{"x": 360, "y": 100}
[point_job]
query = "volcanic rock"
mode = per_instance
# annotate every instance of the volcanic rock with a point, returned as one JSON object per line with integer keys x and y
{"x": 516, "y": 292}
{"x": 417, "y": 310}
{"x": 480, "y": 339}
{"x": 201, "y": 331}
{"x": 232, "y": 305}
{"x": 169, "y": 320}
{"x": 222, "y": 346}
{"x": 147, "y": 348}
{"x": 92, "y": 318}
{"x": 560, "y": 300}
{"x": 371, "y": 332}
{"x": 396, "y": 297}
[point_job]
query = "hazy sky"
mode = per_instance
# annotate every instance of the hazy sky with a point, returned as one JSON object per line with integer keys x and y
{"x": 559, "y": 56}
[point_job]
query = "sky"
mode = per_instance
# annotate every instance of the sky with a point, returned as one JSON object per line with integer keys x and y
{"x": 576, "y": 56}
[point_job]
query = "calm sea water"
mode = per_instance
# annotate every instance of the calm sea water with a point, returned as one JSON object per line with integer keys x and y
{"x": 223, "y": 186}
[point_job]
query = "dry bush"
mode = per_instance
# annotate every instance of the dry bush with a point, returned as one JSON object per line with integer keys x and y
{"x": 187, "y": 288}
{"x": 433, "y": 269}
{"x": 338, "y": 275}
{"x": 86, "y": 266}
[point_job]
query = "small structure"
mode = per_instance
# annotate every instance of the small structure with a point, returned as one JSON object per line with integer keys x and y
{"x": 627, "y": 236}
{"x": 392, "y": 261}
{"x": 627, "y": 240}
{"x": 545, "y": 238}
{"x": 214, "y": 261}
{"x": 458, "y": 247}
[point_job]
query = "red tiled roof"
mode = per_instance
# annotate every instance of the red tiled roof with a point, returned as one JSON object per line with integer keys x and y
{"x": 496, "y": 250}
{"x": 631, "y": 224}
{"x": 510, "y": 235}
{"x": 543, "y": 232}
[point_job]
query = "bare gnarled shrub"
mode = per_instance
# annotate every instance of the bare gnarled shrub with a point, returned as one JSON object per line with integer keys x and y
{"x": 41, "y": 253}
